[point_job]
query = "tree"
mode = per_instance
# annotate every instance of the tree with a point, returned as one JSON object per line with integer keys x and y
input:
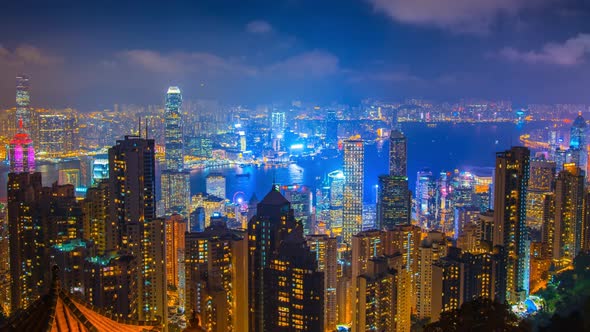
{"x": 478, "y": 315}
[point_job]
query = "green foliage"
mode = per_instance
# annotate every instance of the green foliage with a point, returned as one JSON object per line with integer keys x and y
{"x": 478, "y": 315}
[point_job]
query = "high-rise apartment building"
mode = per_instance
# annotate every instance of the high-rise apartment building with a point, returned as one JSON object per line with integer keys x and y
{"x": 217, "y": 278}
{"x": 325, "y": 249}
{"x": 132, "y": 210}
{"x": 354, "y": 163}
{"x": 569, "y": 214}
{"x": 510, "y": 192}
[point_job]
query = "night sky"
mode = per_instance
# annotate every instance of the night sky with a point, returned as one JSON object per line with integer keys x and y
{"x": 90, "y": 55}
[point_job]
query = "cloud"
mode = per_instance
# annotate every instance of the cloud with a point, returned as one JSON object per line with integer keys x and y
{"x": 259, "y": 27}
{"x": 313, "y": 64}
{"x": 27, "y": 55}
{"x": 308, "y": 64}
{"x": 571, "y": 52}
{"x": 185, "y": 62}
{"x": 464, "y": 16}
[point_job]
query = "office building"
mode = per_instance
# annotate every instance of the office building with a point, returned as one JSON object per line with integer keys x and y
{"x": 398, "y": 154}
{"x": 510, "y": 192}
{"x": 173, "y": 130}
{"x": 215, "y": 185}
{"x": 301, "y": 199}
{"x": 176, "y": 195}
{"x": 578, "y": 141}
{"x": 337, "y": 182}
{"x": 331, "y": 129}
{"x": 394, "y": 205}
{"x": 23, "y": 99}
{"x": 541, "y": 182}
{"x": 21, "y": 152}
{"x": 352, "y": 210}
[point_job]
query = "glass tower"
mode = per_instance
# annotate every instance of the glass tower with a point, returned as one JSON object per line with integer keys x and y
{"x": 173, "y": 131}
{"x": 22, "y": 101}
{"x": 354, "y": 163}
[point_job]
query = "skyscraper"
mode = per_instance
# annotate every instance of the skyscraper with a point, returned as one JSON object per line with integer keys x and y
{"x": 325, "y": 249}
{"x": 510, "y": 192}
{"x": 21, "y": 152}
{"x": 337, "y": 182}
{"x": 173, "y": 130}
{"x": 394, "y": 201}
{"x": 394, "y": 204}
{"x": 132, "y": 209}
{"x": 354, "y": 163}
{"x": 398, "y": 154}
{"x": 541, "y": 182}
{"x": 294, "y": 288}
{"x": 215, "y": 185}
{"x": 569, "y": 216}
{"x": 273, "y": 222}
{"x": 175, "y": 190}
{"x": 301, "y": 199}
{"x": 216, "y": 278}
{"x": 23, "y": 100}
{"x": 27, "y": 245}
{"x": 331, "y": 129}
{"x": 578, "y": 141}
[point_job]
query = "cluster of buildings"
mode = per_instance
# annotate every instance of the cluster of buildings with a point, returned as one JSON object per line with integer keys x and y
{"x": 288, "y": 262}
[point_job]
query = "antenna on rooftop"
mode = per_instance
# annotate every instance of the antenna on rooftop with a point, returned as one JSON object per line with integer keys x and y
{"x": 139, "y": 128}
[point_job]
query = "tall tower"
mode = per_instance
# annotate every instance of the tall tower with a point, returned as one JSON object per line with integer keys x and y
{"x": 173, "y": 132}
{"x": 331, "y": 129}
{"x": 23, "y": 102}
{"x": 354, "y": 163}
{"x": 510, "y": 193}
{"x": 569, "y": 214}
{"x": 325, "y": 249}
{"x": 132, "y": 208}
{"x": 398, "y": 154}
{"x": 217, "y": 278}
{"x": 273, "y": 221}
{"x": 21, "y": 152}
{"x": 578, "y": 141}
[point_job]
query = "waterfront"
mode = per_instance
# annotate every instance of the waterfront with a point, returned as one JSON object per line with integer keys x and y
{"x": 444, "y": 147}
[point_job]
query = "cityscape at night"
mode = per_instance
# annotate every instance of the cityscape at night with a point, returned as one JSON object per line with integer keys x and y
{"x": 294, "y": 165}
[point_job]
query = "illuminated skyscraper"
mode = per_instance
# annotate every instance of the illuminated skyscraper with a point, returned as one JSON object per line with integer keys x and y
{"x": 394, "y": 203}
{"x": 578, "y": 141}
{"x": 173, "y": 132}
{"x": 425, "y": 198}
{"x": 132, "y": 209}
{"x": 27, "y": 264}
{"x": 376, "y": 298}
{"x": 175, "y": 272}
{"x": 301, "y": 199}
{"x": 331, "y": 129}
{"x": 433, "y": 247}
{"x": 23, "y": 100}
{"x": 56, "y": 134}
{"x": 294, "y": 288}
{"x": 541, "y": 182}
{"x": 95, "y": 220}
{"x": 337, "y": 182}
{"x": 277, "y": 126}
{"x": 325, "y": 249}
{"x": 215, "y": 185}
{"x": 354, "y": 163}
{"x": 398, "y": 154}
{"x": 175, "y": 189}
{"x": 510, "y": 192}
{"x": 273, "y": 221}
{"x": 569, "y": 216}
{"x": 217, "y": 278}
{"x": 21, "y": 152}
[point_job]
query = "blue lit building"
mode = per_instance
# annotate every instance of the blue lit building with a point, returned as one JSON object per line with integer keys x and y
{"x": 173, "y": 131}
